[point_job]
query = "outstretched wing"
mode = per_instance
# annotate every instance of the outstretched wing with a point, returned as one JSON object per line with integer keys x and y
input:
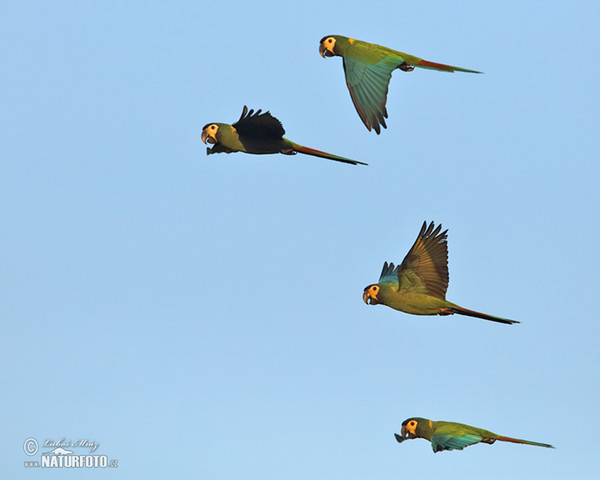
{"x": 389, "y": 275}
{"x": 256, "y": 125}
{"x": 447, "y": 441}
{"x": 368, "y": 86}
{"x": 425, "y": 267}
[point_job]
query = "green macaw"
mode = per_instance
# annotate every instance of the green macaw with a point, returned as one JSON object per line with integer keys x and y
{"x": 368, "y": 68}
{"x": 451, "y": 435}
{"x": 258, "y": 133}
{"x": 418, "y": 285}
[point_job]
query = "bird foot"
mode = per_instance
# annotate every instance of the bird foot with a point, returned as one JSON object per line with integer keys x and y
{"x": 446, "y": 311}
{"x": 288, "y": 151}
{"x": 405, "y": 67}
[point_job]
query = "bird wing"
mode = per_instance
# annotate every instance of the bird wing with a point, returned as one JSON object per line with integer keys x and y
{"x": 389, "y": 275}
{"x": 448, "y": 441}
{"x": 255, "y": 125}
{"x": 425, "y": 267}
{"x": 368, "y": 86}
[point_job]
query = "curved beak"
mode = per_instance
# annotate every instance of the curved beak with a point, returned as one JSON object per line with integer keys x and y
{"x": 366, "y": 296}
{"x": 404, "y": 432}
{"x": 208, "y": 137}
{"x": 370, "y": 295}
{"x": 324, "y": 52}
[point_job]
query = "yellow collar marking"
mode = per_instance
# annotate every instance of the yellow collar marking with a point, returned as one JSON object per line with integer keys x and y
{"x": 430, "y": 424}
{"x": 351, "y": 40}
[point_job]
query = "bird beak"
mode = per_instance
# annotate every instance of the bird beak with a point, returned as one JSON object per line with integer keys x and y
{"x": 324, "y": 52}
{"x": 207, "y": 137}
{"x": 399, "y": 439}
{"x": 409, "y": 432}
{"x": 368, "y": 298}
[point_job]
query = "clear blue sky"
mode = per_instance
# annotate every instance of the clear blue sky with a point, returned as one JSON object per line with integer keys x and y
{"x": 201, "y": 317}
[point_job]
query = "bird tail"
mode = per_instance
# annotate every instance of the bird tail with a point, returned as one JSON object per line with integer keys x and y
{"x": 473, "y": 313}
{"x": 442, "y": 67}
{"x": 329, "y": 156}
{"x": 526, "y": 442}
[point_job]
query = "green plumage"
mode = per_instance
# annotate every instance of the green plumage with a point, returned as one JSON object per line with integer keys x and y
{"x": 418, "y": 285}
{"x": 368, "y": 69}
{"x": 453, "y": 436}
{"x": 258, "y": 133}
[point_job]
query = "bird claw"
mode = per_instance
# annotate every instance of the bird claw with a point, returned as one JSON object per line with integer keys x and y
{"x": 405, "y": 67}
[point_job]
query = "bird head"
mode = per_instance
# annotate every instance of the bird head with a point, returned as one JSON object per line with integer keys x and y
{"x": 327, "y": 46}
{"x": 210, "y": 133}
{"x": 409, "y": 428}
{"x": 370, "y": 294}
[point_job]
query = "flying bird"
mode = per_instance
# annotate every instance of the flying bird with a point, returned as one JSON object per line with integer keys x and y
{"x": 451, "y": 435}
{"x": 368, "y": 69}
{"x": 258, "y": 133}
{"x": 418, "y": 285}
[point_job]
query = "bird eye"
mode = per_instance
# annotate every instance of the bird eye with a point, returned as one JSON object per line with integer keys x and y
{"x": 412, "y": 424}
{"x": 330, "y": 40}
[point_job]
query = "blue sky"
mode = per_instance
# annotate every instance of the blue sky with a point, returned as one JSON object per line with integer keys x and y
{"x": 201, "y": 317}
